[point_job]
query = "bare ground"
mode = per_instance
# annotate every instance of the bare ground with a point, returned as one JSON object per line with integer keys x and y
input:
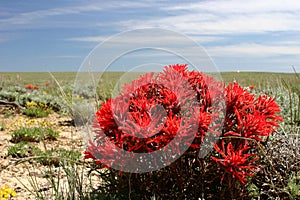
{"x": 18, "y": 173}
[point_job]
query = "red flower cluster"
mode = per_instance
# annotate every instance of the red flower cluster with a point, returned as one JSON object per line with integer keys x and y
{"x": 247, "y": 116}
{"x": 32, "y": 87}
{"x": 153, "y": 110}
{"x": 248, "y": 120}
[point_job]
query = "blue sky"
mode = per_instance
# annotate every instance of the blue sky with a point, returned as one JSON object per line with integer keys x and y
{"x": 238, "y": 35}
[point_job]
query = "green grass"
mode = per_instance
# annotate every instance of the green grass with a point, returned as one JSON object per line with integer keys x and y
{"x": 261, "y": 79}
{"x": 35, "y": 111}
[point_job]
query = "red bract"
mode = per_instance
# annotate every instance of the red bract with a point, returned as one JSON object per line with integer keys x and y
{"x": 235, "y": 162}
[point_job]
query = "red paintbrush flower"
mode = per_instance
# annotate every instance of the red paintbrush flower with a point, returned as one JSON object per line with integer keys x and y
{"x": 151, "y": 111}
{"x": 235, "y": 162}
{"x": 31, "y": 87}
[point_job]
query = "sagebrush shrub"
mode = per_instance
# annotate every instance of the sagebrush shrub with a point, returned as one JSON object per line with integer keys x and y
{"x": 279, "y": 165}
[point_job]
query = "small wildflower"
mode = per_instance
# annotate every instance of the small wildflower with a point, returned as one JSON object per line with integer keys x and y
{"x": 30, "y": 104}
{"x": 6, "y": 192}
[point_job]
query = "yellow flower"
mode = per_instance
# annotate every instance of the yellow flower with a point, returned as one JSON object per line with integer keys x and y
{"x": 13, "y": 193}
{"x": 6, "y": 192}
{"x": 31, "y": 122}
{"x": 6, "y": 186}
{"x": 29, "y": 104}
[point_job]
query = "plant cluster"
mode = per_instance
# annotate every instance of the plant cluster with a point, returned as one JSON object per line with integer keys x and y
{"x": 23, "y": 149}
{"x": 55, "y": 157}
{"x": 83, "y": 100}
{"x": 192, "y": 104}
{"x": 30, "y": 123}
{"x": 24, "y": 136}
{"x": 50, "y": 157}
{"x": 85, "y": 91}
{"x": 33, "y": 134}
{"x": 33, "y": 109}
{"x": 22, "y": 97}
{"x": 279, "y": 174}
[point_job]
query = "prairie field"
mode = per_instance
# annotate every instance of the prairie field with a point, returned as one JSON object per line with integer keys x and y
{"x": 42, "y": 147}
{"x": 259, "y": 79}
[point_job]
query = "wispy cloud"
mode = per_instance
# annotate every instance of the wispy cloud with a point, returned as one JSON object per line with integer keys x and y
{"x": 31, "y": 17}
{"x": 89, "y": 39}
{"x": 67, "y": 56}
{"x": 256, "y": 50}
{"x": 97, "y": 39}
{"x": 218, "y": 24}
{"x": 237, "y": 6}
{"x": 6, "y": 36}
